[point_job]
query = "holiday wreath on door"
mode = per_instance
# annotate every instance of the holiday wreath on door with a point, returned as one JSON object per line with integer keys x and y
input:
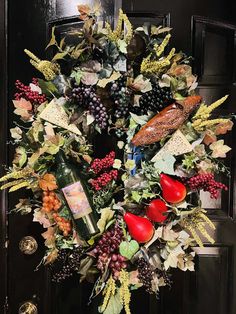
{"x": 146, "y": 209}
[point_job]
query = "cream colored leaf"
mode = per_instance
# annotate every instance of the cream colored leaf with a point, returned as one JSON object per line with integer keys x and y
{"x": 106, "y": 215}
{"x": 103, "y": 82}
{"x": 219, "y": 149}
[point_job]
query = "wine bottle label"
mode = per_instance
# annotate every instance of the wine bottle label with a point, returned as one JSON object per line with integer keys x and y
{"x": 77, "y": 200}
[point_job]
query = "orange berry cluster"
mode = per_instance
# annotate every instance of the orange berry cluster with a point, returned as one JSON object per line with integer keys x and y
{"x": 63, "y": 224}
{"x": 51, "y": 203}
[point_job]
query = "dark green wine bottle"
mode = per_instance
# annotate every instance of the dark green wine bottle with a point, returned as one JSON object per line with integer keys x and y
{"x": 77, "y": 197}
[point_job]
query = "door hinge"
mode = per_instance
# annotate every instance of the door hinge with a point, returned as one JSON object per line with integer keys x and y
{"x": 6, "y": 305}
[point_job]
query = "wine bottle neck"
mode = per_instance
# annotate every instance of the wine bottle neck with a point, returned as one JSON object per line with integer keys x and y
{"x": 60, "y": 158}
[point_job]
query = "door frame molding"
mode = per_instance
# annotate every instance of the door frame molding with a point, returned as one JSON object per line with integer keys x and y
{"x": 4, "y": 153}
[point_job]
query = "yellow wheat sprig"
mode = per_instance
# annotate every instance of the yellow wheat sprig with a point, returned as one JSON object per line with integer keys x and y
{"x": 125, "y": 294}
{"x": 109, "y": 291}
{"x": 47, "y": 68}
{"x": 159, "y": 49}
{"x": 16, "y": 174}
{"x": 19, "y": 186}
{"x": 11, "y": 183}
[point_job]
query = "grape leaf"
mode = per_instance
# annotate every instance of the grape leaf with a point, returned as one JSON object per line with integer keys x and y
{"x": 128, "y": 249}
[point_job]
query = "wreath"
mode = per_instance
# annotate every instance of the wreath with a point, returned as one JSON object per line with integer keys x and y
{"x": 142, "y": 197}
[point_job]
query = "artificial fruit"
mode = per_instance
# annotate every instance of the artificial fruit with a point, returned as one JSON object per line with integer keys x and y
{"x": 140, "y": 228}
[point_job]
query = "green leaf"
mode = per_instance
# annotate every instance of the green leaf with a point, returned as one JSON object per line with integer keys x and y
{"x": 48, "y": 88}
{"x": 62, "y": 42}
{"x": 106, "y": 215}
{"x": 53, "y": 39}
{"x": 136, "y": 196}
{"x": 60, "y": 55}
{"x": 77, "y": 75}
{"x": 141, "y": 120}
{"x": 114, "y": 305}
{"x": 128, "y": 249}
{"x": 166, "y": 164}
{"x": 130, "y": 164}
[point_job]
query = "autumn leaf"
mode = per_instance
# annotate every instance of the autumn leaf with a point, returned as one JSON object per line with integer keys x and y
{"x": 219, "y": 149}
{"x": 48, "y": 182}
{"x": 23, "y": 108}
{"x": 49, "y": 237}
{"x": 51, "y": 257}
{"x": 224, "y": 127}
{"x": 41, "y": 218}
{"x": 22, "y": 104}
{"x": 209, "y": 137}
{"x": 141, "y": 84}
{"x": 84, "y": 11}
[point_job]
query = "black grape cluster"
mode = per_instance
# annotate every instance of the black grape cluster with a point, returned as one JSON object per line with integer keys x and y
{"x": 166, "y": 276}
{"x": 66, "y": 264}
{"x": 155, "y": 100}
{"x": 107, "y": 251}
{"x": 121, "y": 96}
{"x": 85, "y": 96}
{"x": 145, "y": 274}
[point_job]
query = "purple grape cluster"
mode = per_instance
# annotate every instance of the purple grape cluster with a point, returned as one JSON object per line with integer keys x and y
{"x": 85, "y": 96}
{"x": 107, "y": 251}
{"x": 121, "y": 96}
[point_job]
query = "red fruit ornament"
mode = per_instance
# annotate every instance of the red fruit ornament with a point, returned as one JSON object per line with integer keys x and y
{"x": 173, "y": 191}
{"x": 155, "y": 210}
{"x": 140, "y": 228}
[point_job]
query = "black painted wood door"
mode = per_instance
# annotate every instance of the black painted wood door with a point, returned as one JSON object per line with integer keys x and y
{"x": 198, "y": 30}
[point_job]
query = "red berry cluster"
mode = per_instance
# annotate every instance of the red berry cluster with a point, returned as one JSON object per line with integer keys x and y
{"x": 101, "y": 164}
{"x": 206, "y": 182}
{"x": 104, "y": 179}
{"x": 26, "y": 93}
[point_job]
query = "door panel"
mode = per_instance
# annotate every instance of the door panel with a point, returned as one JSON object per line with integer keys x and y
{"x": 211, "y": 288}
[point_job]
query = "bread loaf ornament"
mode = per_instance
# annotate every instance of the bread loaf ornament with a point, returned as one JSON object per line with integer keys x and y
{"x": 166, "y": 121}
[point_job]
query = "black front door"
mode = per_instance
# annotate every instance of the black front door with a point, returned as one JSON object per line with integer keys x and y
{"x": 198, "y": 31}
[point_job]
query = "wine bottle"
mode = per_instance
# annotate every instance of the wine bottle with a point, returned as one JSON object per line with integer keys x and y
{"x": 77, "y": 197}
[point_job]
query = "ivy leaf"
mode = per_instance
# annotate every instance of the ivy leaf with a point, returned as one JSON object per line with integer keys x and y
{"x": 136, "y": 196}
{"x": 165, "y": 164}
{"x": 77, "y": 75}
{"x": 141, "y": 120}
{"x": 219, "y": 149}
{"x": 128, "y": 249}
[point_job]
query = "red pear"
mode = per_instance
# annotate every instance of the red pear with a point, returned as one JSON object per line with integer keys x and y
{"x": 155, "y": 210}
{"x": 173, "y": 191}
{"x": 140, "y": 228}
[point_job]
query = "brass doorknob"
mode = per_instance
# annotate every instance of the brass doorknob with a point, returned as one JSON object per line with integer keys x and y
{"x": 28, "y": 307}
{"x": 28, "y": 245}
